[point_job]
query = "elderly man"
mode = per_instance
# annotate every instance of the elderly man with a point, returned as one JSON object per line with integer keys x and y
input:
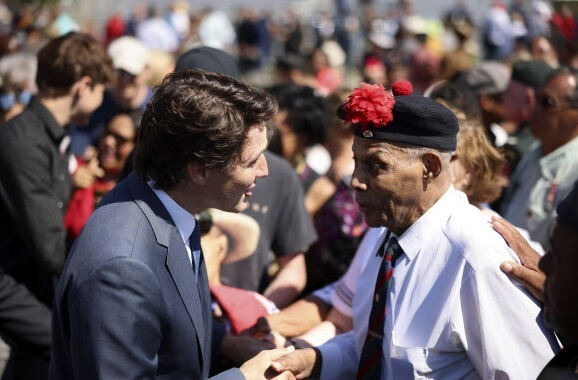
{"x": 546, "y": 173}
{"x": 133, "y": 300}
{"x": 429, "y": 301}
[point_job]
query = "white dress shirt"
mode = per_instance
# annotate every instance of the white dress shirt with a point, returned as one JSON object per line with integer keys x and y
{"x": 184, "y": 220}
{"x": 451, "y": 312}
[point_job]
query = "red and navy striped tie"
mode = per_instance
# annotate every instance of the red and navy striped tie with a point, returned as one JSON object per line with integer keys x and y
{"x": 370, "y": 361}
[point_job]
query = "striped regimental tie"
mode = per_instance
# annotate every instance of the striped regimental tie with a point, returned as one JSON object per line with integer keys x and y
{"x": 370, "y": 361}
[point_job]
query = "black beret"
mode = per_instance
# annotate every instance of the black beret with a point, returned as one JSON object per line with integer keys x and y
{"x": 567, "y": 210}
{"x": 209, "y": 59}
{"x": 532, "y": 73}
{"x": 417, "y": 120}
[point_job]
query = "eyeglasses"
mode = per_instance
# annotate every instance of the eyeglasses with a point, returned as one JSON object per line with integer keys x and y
{"x": 119, "y": 139}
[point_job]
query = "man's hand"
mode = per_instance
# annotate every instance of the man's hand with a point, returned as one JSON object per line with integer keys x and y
{"x": 240, "y": 348}
{"x": 85, "y": 175}
{"x": 301, "y": 363}
{"x": 260, "y": 366}
{"x": 528, "y": 274}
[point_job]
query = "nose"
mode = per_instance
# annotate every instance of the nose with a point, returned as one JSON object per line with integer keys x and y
{"x": 262, "y": 169}
{"x": 356, "y": 184}
{"x": 109, "y": 140}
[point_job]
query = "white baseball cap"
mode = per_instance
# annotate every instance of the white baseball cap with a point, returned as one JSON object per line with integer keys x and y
{"x": 129, "y": 54}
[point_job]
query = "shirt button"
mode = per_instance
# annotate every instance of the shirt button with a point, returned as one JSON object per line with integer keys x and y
{"x": 61, "y": 177}
{"x": 376, "y": 298}
{"x": 60, "y": 204}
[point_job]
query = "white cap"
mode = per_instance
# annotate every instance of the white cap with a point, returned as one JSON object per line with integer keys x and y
{"x": 129, "y": 54}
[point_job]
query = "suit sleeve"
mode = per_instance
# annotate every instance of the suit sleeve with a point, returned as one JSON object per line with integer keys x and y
{"x": 29, "y": 190}
{"x": 116, "y": 319}
{"x": 504, "y": 335}
{"x": 22, "y": 317}
{"x": 339, "y": 357}
{"x": 231, "y": 374}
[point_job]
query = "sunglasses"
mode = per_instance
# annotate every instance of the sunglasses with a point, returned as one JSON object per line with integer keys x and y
{"x": 120, "y": 140}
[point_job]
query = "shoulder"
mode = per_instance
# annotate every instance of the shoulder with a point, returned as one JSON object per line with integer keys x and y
{"x": 23, "y": 127}
{"x": 117, "y": 228}
{"x": 471, "y": 236}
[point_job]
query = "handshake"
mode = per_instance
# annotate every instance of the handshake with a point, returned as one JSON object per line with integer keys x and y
{"x": 272, "y": 356}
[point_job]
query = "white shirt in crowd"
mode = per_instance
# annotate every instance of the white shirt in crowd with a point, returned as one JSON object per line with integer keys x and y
{"x": 451, "y": 312}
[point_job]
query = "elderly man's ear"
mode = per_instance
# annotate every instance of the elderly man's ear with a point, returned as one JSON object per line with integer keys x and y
{"x": 432, "y": 166}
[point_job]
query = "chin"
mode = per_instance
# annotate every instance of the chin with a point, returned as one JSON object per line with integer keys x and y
{"x": 240, "y": 206}
{"x": 372, "y": 221}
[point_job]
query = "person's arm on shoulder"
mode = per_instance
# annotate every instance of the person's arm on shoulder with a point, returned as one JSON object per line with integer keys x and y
{"x": 290, "y": 280}
{"x": 527, "y": 273}
{"x": 115, "y": 324}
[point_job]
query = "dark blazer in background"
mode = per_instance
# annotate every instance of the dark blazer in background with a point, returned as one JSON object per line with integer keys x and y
{"x": 128, "y": 305}
{"x": 35, "y": 188}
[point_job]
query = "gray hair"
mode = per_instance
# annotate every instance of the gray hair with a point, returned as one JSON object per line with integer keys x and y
{"x": 17, "y": 69}
{"x": 416, "y": 152}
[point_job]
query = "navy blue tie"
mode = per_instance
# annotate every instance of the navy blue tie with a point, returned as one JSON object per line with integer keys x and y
{"x": 195, "y": 245}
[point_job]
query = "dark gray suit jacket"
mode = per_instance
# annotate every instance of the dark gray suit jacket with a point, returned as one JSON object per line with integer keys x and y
{"x": 127, "y": 305}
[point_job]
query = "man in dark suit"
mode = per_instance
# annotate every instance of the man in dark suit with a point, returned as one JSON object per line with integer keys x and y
{"x": 133, "y": 300}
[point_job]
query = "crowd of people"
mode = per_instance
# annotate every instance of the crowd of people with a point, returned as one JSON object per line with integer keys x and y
{"x": 367, "y": 193}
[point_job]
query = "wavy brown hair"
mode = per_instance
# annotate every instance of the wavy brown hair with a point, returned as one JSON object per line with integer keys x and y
{"x": 66, "y": 59}
{"x": 197, "y": 116}
{"x": 482, "y": 160}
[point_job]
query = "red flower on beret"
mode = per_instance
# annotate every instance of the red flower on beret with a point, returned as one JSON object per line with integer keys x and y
{"x": 401, "y": 87}
{"x": 369, "y": 105}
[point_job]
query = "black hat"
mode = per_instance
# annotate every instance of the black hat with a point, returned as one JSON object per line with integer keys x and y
{"x": 413, "y": 119}
{"x": 209, "y": 59}
{"x": 567, "y": 210}
{"x": 532, "y": 73}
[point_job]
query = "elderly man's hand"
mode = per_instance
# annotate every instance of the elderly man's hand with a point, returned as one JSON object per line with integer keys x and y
{"x": 528, "y": 274}
{"x": 259, "y": 367}
{"x": 301, "y": 363}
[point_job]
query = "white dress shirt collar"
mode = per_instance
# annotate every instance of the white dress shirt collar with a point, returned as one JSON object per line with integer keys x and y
{"x": 184, "y": 221}
{"x": 428, "y": 225}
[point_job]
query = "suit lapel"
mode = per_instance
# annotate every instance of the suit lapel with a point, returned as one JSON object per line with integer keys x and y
{"x": 182, "y": 273}
{"x": 177, "y": 262}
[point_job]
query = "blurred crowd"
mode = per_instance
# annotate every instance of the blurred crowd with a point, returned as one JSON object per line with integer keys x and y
{"x": 510, "y": 76}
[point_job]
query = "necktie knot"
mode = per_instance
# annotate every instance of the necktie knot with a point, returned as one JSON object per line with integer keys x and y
{"x": 393, "y": 251}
